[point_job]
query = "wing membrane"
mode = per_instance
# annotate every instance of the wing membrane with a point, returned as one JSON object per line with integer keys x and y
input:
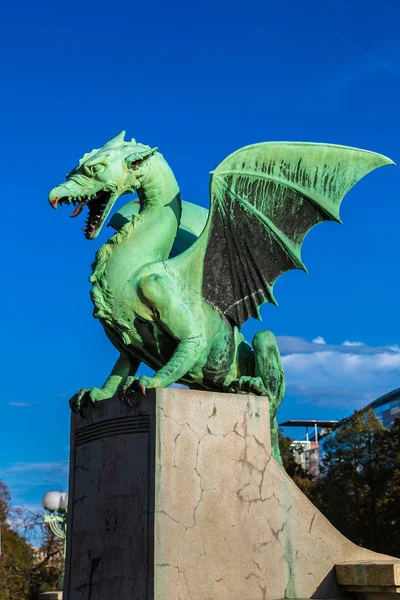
{"x": 264, "y": 200}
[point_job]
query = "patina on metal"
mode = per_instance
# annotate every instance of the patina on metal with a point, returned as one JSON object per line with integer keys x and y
{"x": 172, "y": 288}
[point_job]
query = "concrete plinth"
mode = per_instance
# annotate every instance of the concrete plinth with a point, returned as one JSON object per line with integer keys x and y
{"x": 180, "y": 499}
{"x": 371, "y": 580}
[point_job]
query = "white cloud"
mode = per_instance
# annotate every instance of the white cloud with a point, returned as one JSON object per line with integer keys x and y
{"x": 347, "y": 375}
{"x": 334, "y": 396}
{"x": 319, "y": 340}
{"x": 322, "y": 366}
{"x": 293, "y": 345}
{"x": 28, "y": 482}
{"x": 29, "y": 508}
{"x": 35, "y": 468}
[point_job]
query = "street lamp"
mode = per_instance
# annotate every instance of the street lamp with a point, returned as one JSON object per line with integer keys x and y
{"x": 56, "y": 503}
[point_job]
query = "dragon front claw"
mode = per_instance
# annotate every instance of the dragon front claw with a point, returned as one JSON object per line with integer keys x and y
{"x": 78, "y": 400}
{"x": 127, "y": 390}
{"x": 85, "y": 396}
{"x": 130, "y": 389}
{"x": 124, "y": 396}
{"x": 249, "y": 385}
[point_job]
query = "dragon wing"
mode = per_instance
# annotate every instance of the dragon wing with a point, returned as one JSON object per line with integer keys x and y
{"x": 264, "y": 200}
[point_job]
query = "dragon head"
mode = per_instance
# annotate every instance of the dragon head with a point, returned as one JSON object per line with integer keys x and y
{"x": 100, "y": 178}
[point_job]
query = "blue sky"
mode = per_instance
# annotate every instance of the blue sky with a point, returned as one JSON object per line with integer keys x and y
{"x": 199, "y": 81}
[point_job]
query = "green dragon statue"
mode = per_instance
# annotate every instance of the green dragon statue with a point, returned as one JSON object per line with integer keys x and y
{"x": 174, "y": 285}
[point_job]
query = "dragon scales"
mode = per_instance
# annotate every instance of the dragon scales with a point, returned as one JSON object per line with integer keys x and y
{"x": 174, "y": 285}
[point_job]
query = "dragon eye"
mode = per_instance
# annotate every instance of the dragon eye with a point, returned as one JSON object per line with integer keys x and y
{"x": 91, "y": 170}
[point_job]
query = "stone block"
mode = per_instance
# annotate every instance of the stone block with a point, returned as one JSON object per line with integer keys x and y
{"x": 370, "y": 580}
{"x": 384, "y": 573}
{"x": 180, "y": 499}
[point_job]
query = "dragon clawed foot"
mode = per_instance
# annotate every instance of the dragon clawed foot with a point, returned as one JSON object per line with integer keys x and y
{"x": 85, "y": 396}
{"x": 128, "y": 392}
{"x": 136, "y": 384}
{"x": 78, "y": 401}
{"x": 249, "y": 385}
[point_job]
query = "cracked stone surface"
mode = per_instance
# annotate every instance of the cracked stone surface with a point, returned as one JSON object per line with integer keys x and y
{"x": 228, "y": 523}
{"x": 247, "y": 532}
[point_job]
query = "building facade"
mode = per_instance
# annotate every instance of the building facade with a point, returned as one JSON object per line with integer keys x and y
{"x": 307, "y": 452}
{"x": 387, "y": 408}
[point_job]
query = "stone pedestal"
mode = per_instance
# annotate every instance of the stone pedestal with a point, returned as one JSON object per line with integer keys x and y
{"x": 180, "y": 499}
{"x": 371, "y": 580}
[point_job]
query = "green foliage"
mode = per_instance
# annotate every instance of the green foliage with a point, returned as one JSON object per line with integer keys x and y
{"x": 17, "y": 557}
{"x": 347, "y": 492}
{"x": 359, "y": 487}
{"x": 4, "y": 502}
{"x": 16, "y": 564}
{"x": 24, "y": 570}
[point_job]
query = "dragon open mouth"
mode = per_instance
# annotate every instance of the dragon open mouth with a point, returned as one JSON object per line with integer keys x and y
{"x": 99, "y": 205}
{"x": 100, "y": 178}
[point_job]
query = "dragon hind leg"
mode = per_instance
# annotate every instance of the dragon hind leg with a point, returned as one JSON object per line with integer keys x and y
{"x": 268, "y": 367}
{"x": 246, "y": 384}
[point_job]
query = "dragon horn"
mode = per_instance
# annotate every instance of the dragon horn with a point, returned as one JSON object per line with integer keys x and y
{"x": 118, "y": 139}
{"x": 134, "y": 156}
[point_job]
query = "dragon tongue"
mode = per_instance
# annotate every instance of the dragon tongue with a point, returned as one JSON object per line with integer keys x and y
{"x": 78, "y": 209}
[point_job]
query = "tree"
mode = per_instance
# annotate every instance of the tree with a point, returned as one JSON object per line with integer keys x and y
{"x": 359, "y": 484}
{"x": 48, "y": 549}
{"x": 26, "y": 570}
{"x": 388, "y": 445}
{"x": 17, "y": 556}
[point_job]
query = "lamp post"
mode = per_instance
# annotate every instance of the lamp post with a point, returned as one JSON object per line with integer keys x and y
{"x": 56, "y": 503}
